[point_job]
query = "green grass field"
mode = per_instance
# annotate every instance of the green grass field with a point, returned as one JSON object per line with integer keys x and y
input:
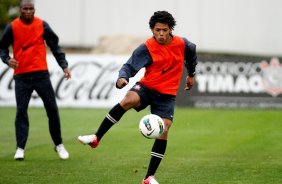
{"x": 206, "y": 146}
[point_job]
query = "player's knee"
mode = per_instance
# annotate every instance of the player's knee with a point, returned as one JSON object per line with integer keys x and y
{"x": 130, "y": 100}
{"x": 128, "y": 103}
{"x": 168, "y": 124}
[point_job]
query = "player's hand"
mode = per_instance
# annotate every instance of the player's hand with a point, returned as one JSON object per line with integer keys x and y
{"x": 67, "y": 73}
{"x": 121, "y": 83}
{"x": 189, "y": 82}
{"x": 13, "y": 63}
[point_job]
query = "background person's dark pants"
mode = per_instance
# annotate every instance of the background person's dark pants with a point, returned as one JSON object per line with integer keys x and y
{"x": 25, "y": 84}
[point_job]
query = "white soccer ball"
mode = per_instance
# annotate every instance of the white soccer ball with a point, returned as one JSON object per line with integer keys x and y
{"x": 151, "y": 126}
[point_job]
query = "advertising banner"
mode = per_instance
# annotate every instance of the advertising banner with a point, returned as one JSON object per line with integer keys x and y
{"x": 92, "y": 83}
{"x": 222, "y": 81}
{"x": 230, "y": 81}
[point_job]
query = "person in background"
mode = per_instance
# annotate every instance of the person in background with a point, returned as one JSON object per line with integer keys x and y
{"x": 163, "y": 55}
{"x": 28, "y": 35}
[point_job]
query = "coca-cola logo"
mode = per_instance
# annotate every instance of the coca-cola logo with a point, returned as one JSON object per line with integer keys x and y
{"x": 92, "y": 83}
{"x": 90, "y": 80}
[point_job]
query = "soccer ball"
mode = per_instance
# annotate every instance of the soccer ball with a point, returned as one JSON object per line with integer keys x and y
{"x": 151, "y": 126}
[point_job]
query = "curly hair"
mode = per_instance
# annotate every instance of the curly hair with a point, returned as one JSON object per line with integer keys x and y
{"x": 162, "y": 17}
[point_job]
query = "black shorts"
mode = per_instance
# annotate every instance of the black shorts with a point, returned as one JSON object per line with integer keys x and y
{"x": 161, "y": 104}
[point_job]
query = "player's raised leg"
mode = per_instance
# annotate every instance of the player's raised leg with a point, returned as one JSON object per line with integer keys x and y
{"x": 111, "y": 118}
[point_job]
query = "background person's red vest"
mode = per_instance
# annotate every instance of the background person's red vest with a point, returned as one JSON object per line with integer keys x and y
{"x": 29, "y": 47}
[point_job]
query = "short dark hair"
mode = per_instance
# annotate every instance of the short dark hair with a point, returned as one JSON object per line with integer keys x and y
{"x": 26, "y": 1}
{"x": 162, "y": 17}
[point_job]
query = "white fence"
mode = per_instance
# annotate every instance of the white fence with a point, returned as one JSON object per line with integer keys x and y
{"x": 233, "y": 26}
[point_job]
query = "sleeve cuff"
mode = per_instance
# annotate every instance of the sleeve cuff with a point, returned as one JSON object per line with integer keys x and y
{"x": 7, "y": 61}
{"x": 192, "y": 74}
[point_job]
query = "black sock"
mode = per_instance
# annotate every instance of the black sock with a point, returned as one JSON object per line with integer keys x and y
{"x": 111, "y": 118}
{"x": 157, "y": 154}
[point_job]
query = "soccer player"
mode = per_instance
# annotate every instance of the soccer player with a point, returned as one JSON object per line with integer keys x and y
{"x": 27, "y": 35}
{"x": 163, "y": 55}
